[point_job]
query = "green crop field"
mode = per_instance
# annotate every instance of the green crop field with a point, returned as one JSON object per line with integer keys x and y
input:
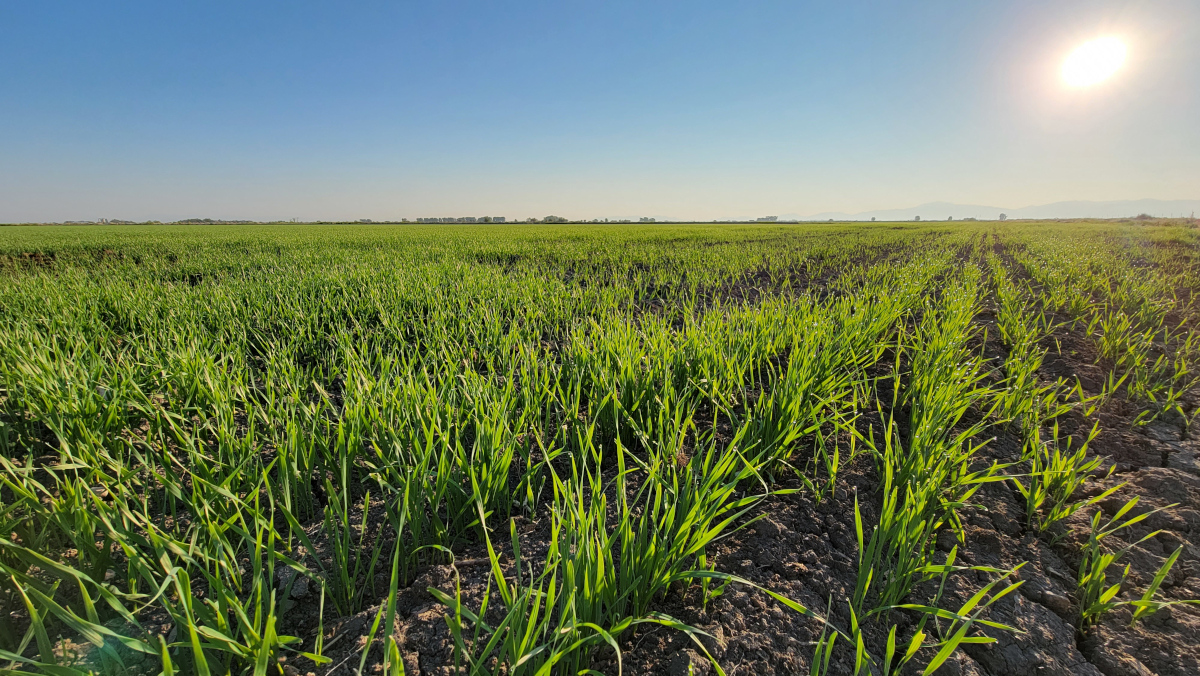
{"x": 748, "y": 449}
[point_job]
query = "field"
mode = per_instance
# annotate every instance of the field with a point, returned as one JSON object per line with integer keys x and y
{"x": 715, "y": 449}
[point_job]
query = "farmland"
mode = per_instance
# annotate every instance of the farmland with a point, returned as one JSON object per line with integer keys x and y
{"x": 744, "y": 449}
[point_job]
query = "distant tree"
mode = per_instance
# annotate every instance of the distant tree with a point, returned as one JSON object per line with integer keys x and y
{"x": 872, "y": 218}
{"x": 1004, "y": 217}
{"x": 917, "y": 218}
{"x": 949, "y": 218}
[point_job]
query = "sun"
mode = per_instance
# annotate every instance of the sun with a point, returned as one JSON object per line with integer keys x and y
{"x": 1093, "y": 62}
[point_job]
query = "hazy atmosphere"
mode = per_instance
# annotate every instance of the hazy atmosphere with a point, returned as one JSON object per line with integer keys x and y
{"x": 697, "y": 110}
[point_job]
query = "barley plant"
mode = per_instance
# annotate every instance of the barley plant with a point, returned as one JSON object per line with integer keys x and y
{"x": 199, "y": 424}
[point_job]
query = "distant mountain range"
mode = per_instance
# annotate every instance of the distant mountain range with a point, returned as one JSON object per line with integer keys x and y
{"x": 940, "y": 211}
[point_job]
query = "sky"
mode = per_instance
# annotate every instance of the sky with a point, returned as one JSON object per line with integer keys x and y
{"x": 687, "y": 110}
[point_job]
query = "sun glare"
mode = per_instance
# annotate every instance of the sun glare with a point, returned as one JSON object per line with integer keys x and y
{"x": 1093, "y": 62}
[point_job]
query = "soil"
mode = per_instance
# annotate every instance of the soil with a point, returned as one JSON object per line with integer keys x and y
{"x": 807, "y": 551}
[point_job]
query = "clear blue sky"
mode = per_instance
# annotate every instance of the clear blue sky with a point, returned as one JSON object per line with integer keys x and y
{"x": 166, "y": 110}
